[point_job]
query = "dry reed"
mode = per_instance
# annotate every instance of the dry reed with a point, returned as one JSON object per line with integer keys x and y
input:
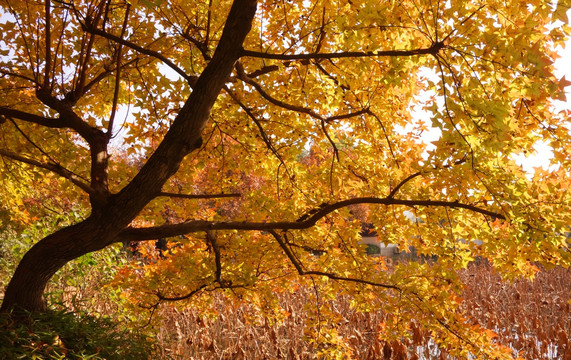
{"x": 532, "y": 318}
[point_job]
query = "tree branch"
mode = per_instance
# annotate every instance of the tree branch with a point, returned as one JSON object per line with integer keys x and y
{"x": 4, "y": 73}
{"x": 404, "y": 181}
{"x": 55, "y": 168}
{"x": 86, "y": 53}
{"x": 97, "y": 140}
{"x": 228, "y": 285}
{"x": 263, "y": 134}
{"x": 412, "y": 176}
{"x": 311, "y": 218}
{"x": 432, "y": 50}
{"x": 161, "y": 297}
{"x": 68, "y": 116}
{"x": 199, "y": 196}
{"x": 48, "y": 39}
{"x": 300, "y": 109}
{"x": 296, "y": 108}
{"x": 298, "y": 266}
{"x": 185, "y": 133}
{"x": 32, "y": 142}
{"x": 32, "y": 118}
{"x": 386, "y": 136}
{"x": 90, "y": 28}
{"x": 216, "y": 249}
{"x": 117, "y": 77}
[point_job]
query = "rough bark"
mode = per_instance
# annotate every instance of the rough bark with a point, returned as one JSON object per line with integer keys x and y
{"x": 25, "y": 290}
{"x": 40, "y": 263}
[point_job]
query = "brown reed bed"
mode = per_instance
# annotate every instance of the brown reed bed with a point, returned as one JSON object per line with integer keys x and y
{"x": 532, "y": 318}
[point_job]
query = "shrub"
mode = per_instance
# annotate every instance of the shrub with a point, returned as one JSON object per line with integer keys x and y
{"x": 66, "y": 335}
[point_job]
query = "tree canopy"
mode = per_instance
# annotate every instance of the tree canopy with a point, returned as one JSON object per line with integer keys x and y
{"x": 259, "y": 136}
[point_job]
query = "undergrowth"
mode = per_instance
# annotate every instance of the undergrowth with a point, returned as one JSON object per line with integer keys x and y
{"x": 66, "y": 335}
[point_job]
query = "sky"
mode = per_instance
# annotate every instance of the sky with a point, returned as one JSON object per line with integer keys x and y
{"x": 543, "y": 153}
{"x": 563, "y": 69}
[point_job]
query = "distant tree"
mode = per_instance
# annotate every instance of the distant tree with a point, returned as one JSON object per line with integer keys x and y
{"x": 215, "y": 97}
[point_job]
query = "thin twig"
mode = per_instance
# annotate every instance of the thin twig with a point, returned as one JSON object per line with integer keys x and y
{"x": 55, "y": 168}
{"x": 299, "y": 267}
{"x": 117, "y": 76}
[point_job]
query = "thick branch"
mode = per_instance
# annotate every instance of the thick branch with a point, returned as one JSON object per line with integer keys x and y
{"x": 32, "y": 118}
{"x": 199, "y": 196}
{"x": 432, "y": 50}
{"x": 96, "y": 139}
{"x": 184, "y": 136}
{"x": 216, "y": 249}
{"x": 68, "y": 116}
{"x": 312, "y": 217}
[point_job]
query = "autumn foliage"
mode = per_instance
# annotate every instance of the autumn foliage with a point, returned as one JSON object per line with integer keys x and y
{"x": 257, "y": 137}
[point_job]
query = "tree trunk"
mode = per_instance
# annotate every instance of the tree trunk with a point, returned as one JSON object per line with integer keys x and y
{"x": 26, "y": 288}
{"x": 40, "y": 263}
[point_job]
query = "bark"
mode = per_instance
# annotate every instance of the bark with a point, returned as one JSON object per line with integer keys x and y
{"x": 40, "y": 263}
{"x": 25, "y": 290}
{"x": 304, "y": 222}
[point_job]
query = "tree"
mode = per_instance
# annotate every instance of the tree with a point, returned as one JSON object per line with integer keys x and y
{"x": 220, "y": 94}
